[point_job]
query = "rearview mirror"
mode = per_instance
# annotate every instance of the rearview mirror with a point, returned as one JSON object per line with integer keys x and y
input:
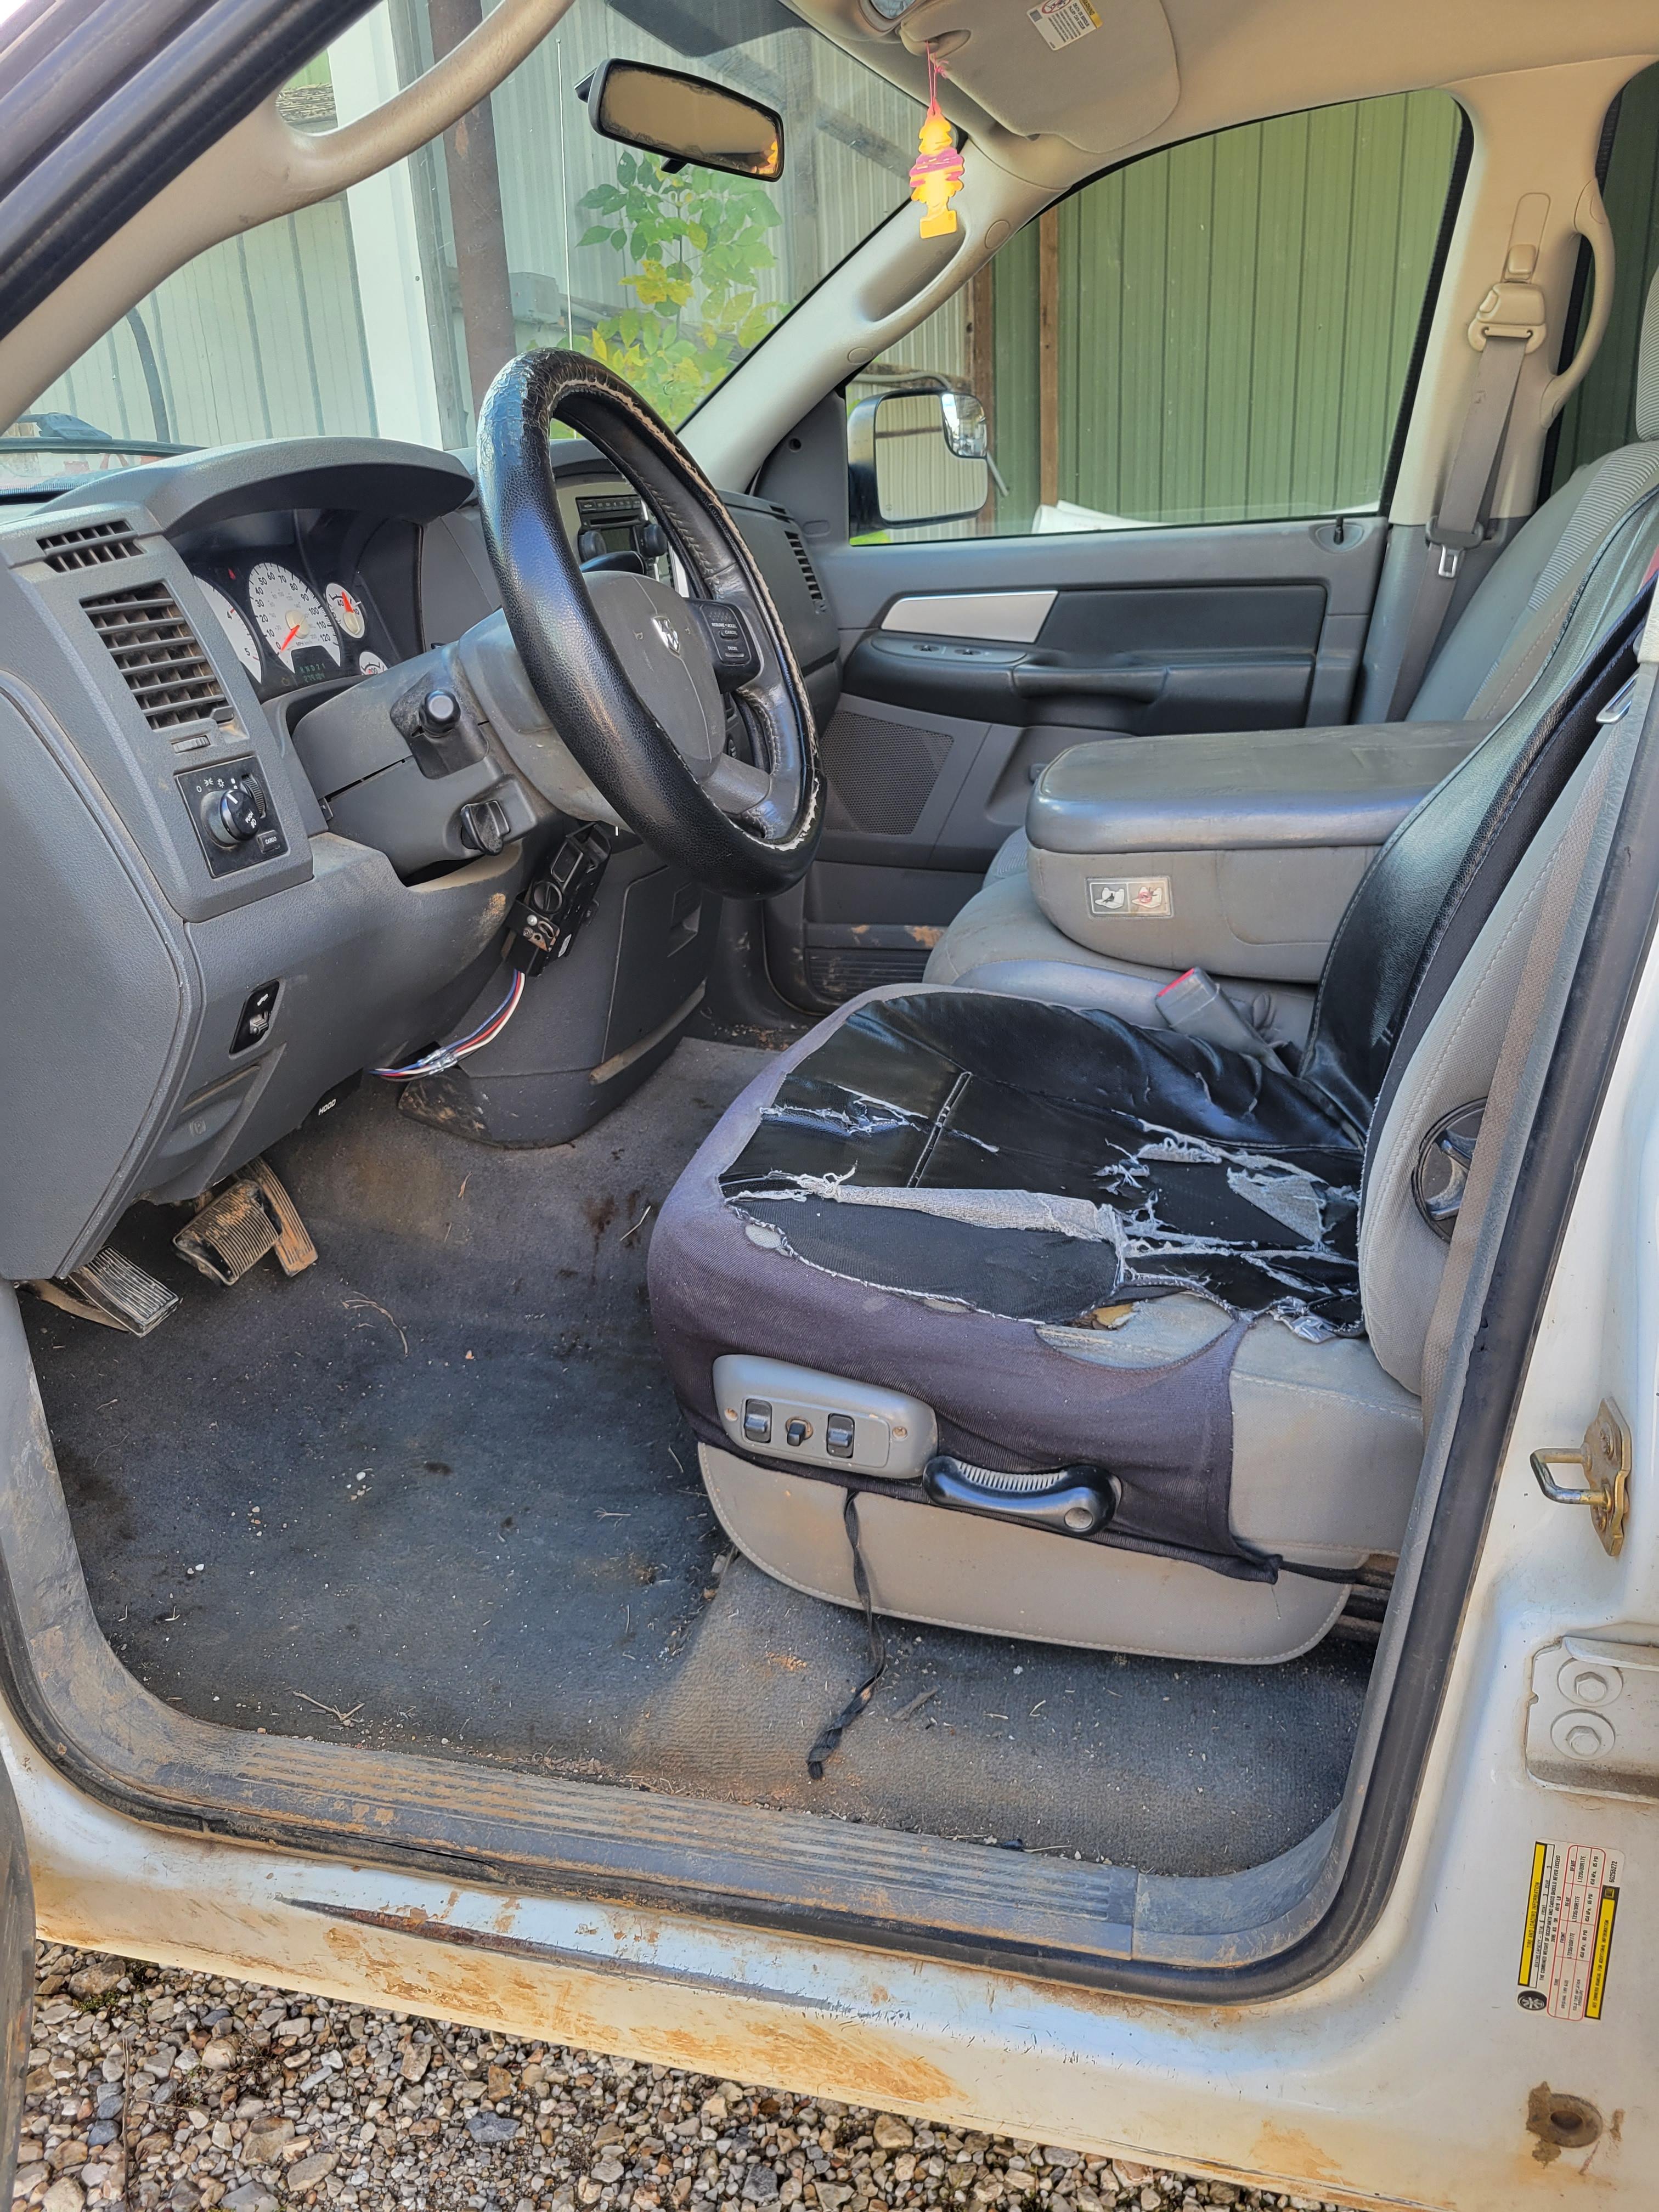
{"x": 685, "y": 118}
{"x": 919, "y": 454}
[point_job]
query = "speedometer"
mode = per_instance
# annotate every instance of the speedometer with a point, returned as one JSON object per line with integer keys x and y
{"x": 234, "y": 623}
{"x": 290, "y": 616}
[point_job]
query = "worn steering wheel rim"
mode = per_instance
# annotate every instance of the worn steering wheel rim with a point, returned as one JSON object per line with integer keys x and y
{"x": 568, "y": 657}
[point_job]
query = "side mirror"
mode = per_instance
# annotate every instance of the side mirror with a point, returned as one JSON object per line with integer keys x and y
{"x": 917, "y": 455}
{"x": 685, "y": 118}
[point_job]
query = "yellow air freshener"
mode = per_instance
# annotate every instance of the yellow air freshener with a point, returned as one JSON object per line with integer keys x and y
{"x": 936, "y": 175}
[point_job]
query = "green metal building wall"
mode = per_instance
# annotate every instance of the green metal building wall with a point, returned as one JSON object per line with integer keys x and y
{"x": 1236, "y": 318}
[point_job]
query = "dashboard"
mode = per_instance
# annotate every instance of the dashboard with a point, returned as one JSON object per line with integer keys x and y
{"x": 205, "y": 931}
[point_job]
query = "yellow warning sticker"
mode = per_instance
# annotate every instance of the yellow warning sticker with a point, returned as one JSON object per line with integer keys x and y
{"x": 1572, "y": 1901}
{"x": 1063, "y": 22}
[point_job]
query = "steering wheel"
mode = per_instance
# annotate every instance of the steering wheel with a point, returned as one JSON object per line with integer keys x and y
{"x": 633, "y": 676}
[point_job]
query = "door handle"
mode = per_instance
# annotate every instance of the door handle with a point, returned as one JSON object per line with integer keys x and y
{"x": 1604, "y": 1459}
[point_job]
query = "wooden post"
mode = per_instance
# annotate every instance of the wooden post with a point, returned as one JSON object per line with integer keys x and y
{"x": 475, "y": 211}
{"x": 1048, "y": 356}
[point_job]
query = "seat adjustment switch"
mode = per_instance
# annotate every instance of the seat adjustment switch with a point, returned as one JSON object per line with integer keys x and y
{"x": 757, "y": 1422}
{"x": 772, "y": 1409}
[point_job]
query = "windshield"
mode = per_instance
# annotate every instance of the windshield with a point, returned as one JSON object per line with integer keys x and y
{"x": 386, "y": 311}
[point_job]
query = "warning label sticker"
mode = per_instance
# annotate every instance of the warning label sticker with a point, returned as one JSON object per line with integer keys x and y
{"x": 1572, "y": 1903}
{"x": 1063, "y": 22}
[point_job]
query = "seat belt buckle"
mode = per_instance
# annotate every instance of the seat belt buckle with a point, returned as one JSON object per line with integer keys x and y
{"x": 1197, "y": 1006}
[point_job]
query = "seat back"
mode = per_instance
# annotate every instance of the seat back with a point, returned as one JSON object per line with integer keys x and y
{"x": 1510, "y": 628}
{"x": 1436, "y": 880}
{"x": 1447, "y": 1072}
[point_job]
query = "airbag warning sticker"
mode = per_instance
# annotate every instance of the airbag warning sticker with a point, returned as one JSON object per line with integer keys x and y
{"x": 1063, "y": 22}
{"x": 1572, "y": 1903}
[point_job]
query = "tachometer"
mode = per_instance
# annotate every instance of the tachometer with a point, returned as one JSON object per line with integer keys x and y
{"x": 234, "y": 623}
{"x": 290, "y": 616}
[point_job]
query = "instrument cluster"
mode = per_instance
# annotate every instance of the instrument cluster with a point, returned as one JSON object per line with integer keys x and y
{"x": 287, "y": 631}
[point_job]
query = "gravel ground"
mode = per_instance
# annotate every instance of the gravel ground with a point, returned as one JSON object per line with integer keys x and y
{"x": 149, "y": 2089}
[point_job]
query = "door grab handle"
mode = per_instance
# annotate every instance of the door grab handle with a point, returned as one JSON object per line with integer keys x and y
{"x": 1590, "y": 220}
{"x": 1604, "y": 1459}
{"x": 1104, "y": 683}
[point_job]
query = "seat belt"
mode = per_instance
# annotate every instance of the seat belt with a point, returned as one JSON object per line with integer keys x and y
{"x": 1510, "y": 322}
{"x": 1567, "y": 867}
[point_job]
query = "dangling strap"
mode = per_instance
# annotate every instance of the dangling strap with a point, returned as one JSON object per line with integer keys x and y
{"x": 830, "y": 1736}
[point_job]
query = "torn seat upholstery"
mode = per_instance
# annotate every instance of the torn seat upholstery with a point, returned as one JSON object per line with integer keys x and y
{"x": 1105, "y": 1254}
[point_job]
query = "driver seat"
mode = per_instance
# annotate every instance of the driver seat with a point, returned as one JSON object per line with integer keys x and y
{"x": 1035, "y": 1323}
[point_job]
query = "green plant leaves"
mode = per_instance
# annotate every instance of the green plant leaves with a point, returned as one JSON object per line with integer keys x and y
{"x": 698, "y": 241}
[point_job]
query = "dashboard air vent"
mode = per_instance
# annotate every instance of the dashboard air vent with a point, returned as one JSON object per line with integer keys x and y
{"x": 158, "y": 654}
{"x": 89, "y": 547}
{"x": 808, "y": 572}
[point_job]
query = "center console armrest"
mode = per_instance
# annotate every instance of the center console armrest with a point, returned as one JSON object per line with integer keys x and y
{"x": 1236, "y": 853}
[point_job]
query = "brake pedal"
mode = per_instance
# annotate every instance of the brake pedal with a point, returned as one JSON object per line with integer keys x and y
{"x": 114, "y": 1292}
{"x": 234, "y": 1231}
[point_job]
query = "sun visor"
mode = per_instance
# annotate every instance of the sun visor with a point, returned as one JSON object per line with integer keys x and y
{"x": 1101, "y": 73}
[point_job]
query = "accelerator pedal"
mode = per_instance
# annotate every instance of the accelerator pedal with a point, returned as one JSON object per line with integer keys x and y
{"x": 114, "y": 1292}
{"x": 235, "y": 1229}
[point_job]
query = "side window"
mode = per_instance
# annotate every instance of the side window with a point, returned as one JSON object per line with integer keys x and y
{"x": 1602, "y": 413}
{"x": 1222, "y": 331}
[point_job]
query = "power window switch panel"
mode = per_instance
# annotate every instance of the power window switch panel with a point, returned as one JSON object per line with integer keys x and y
{"x": 775, "y": 1409}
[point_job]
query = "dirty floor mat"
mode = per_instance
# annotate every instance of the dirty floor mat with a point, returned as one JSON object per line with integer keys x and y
{"x": 1167, "y": 1766}
{"x": 435, "y": 1495}
{"x": 438, "y": 1482}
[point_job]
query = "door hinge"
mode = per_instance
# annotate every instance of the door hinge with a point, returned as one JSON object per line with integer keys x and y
{"x": 1605, "y": 1459}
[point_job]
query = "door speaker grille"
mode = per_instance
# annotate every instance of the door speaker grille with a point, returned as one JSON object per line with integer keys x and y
{"x": 880, "y": 774}
{"x": 158, "y": 653}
